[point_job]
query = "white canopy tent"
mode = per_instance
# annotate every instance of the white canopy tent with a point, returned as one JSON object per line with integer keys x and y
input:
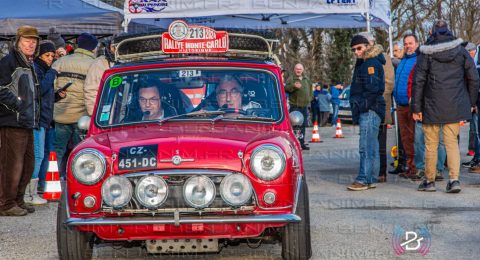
{"x": 262, "y": 14}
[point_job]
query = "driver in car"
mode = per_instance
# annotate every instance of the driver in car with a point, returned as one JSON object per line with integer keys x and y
{"x": 151, "y": 104}
{"x": 229, "y": 94}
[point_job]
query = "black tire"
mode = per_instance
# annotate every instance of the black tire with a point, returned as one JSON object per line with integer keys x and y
{"x": 296, "y": 242}
{"x": 71, "y": 244}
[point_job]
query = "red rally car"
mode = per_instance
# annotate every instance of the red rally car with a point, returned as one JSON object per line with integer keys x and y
{"x": 189, "y": 150}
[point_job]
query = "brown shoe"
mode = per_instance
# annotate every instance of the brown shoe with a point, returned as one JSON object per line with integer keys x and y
{"x": 474, "y": 169}
{"x": 409, "y": 175}
{"x": 371, "y": 186}
{"x": 14, "y": 211}
{"x": 28, "y": 208}
{"x": 357, "y": 186}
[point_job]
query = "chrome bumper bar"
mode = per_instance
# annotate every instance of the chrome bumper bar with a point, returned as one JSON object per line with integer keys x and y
{"x": 281, "y": 218}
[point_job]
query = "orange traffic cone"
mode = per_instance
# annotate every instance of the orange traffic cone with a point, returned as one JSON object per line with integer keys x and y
{"x": 315, "y": 134}
{"x": 53, "y": 188}
{"x": 338, "y": 132}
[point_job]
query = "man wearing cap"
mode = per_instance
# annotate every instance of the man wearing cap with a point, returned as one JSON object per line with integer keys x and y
{"x": 58, "y": 41}
{"x": 444, "y": 92}
{"x": 368, "y": 108}
{"x": 19, "y": 114}
{"x": 72, "y": 68}
{"x": 387, "y": 96}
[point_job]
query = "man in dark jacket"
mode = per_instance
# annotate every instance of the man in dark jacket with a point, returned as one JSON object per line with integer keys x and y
{"x": 368, "y": 108}
{"x": 300, "y": 92}
{"x": 19, "y": 114}
{"x": 444, "y": 92}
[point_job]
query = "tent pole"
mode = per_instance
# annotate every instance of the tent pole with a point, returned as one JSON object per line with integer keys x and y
{"x": 390, "y": 40}
{"x": 368, "y": 22}
{"x": 125, "y": 23}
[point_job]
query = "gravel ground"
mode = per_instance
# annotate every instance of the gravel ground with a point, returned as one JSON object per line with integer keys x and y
{"x": 345, "y": 225}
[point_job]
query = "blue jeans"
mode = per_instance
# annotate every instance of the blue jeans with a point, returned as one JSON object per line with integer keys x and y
{"x": 63, "y": 134}
{"x": 369, "y": 148}
{"x": 38, "y": 149}
{"x": 335, "y": 113}
{"x": 475, "y": 126}
{"x": 420, "y": 149}
{"x": 49, "y": 139}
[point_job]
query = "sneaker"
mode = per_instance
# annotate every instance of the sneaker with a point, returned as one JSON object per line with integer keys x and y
{"x": 439, "y": 176}
{"x": 399, "y": 169}
{"x": 357, "y": 186}
{"x": 453, "y": 186}
{"x": 471, "y": 153}
{"x": 37, "y": 200}
{"x": 14, "y": 211}
{"x": 427, "y": 186}
{"x": 409, "y": 175}
{"x": 475, "y": 168}
{"x": 470, "y": 163}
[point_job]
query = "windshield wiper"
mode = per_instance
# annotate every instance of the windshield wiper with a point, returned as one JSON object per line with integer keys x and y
{"x": 194, "y": 114}
{"x": 255, "y": 118}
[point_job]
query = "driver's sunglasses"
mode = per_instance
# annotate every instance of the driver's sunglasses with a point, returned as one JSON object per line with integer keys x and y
{"x": 359, "y": 48}
{"x": 152, "y": 101}
{"x": 234, "y": 93}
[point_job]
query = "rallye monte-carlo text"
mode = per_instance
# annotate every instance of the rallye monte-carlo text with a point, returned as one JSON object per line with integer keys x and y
{"x": 189, "y": 149}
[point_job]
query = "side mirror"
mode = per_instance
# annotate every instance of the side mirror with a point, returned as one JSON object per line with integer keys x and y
{"x": 84, "y": 123}
{"x": 296, "y": 118}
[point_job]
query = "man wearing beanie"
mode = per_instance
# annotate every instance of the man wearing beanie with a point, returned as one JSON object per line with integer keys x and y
{"x": 368, "y": 108}
{"x": 19, "y": 114}
{"x": 444, "y": 92}
{"x": 73, "y": 68}
{"x": 58, "y": 42}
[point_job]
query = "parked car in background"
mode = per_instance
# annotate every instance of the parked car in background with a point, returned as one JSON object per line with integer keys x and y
{"x": 345, "y": 112}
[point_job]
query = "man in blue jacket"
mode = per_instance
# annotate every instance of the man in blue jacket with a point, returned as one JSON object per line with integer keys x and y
{"x": 401, "y": 95}
{"x": 368, "y": 108}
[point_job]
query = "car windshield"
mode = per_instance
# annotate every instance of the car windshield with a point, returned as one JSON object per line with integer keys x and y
{"x": 189, "y": 93}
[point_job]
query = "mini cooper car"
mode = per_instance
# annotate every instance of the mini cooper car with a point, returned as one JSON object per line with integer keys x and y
{"x": 189, "y": 149}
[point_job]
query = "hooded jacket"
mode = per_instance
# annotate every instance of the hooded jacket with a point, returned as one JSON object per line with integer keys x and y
{"x": 445, "y": 82}
{"x": 19, "y": 92}
{"x": 400, "y": 92}
{"x": 46, "y": 77}
{"x": 368, "y": 84}
{"x": 72, "y": 68}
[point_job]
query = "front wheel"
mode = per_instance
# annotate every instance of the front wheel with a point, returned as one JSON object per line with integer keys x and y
{"x": 296, "y": 243}
{"x": 71, "y": 244}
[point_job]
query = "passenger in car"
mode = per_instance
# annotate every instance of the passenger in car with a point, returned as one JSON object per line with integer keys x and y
{"x": 151, "y": 105}
{"x": 230, "y": 93}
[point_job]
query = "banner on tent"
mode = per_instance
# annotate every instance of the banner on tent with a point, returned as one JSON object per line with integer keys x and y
{"x": 195, "y": 8}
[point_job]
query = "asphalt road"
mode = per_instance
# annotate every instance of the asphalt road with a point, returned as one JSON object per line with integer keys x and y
{"x": 345, "y": 224}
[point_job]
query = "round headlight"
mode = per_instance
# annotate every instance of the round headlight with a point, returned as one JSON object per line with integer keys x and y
{"x": 117, "y": 191}
{"x": 151, "y": 191}
{"x": 199, "y": 191}
{"x": 267, "y": 162}
{"x": 88, "y": 166}
{"x": 236, "y": 189}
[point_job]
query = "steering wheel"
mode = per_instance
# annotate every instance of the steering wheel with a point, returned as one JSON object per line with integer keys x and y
{"x": 232, "y": 110}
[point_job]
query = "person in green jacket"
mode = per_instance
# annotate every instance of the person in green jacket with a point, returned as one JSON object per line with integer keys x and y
{"x": 299, "y": 88}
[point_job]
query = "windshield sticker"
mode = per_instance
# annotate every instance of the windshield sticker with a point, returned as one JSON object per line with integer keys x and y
{"x": 189, "y": 73}
{"x": 106, "y": 108}
{"x": 116, "y": 81}
{"x": 104, "y": 116}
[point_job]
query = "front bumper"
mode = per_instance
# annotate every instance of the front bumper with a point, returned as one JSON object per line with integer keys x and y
{"x": 279, "y": 218}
